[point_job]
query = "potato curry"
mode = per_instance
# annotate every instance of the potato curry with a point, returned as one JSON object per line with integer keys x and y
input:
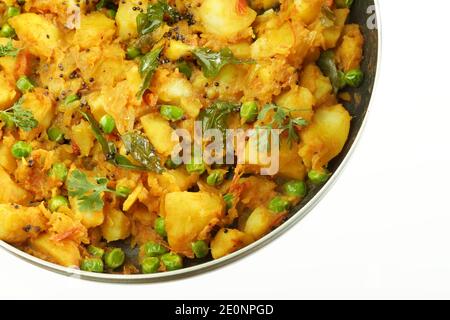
{"x": 92, "y": 91}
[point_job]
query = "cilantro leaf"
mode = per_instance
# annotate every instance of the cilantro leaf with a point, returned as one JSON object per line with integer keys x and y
{"x": 23, "y": 119}
{"x": 282, "y": 119}
{"x": 216, "y": 116}
{"x": 8, "y": 50}
{"x": 212, "y": 62}
{"x": 141, "y": 149}
{"x": 88, "y": 194}
{"x": 147, "y": 67}
{"x": 155, "y": 16}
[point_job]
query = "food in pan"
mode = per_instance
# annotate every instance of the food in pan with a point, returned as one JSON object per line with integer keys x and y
{"x": 92, "y": 93}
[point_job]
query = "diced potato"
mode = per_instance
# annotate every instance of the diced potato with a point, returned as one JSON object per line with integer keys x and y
{"x": 325, "y": 138}
{"x": 126, "y": 17}
{"x": 177, "y": 50}
{"x": 332, "y": 34}
{"x": 40, "y": 35}
{"x": 252, "y": 199}
{"x": 309, "y": 10}
{"x": 82, "y": 135}
{"x": 41, "y": 105}
{"x": 65, "y": 252}
{"x": 18, "y": 224}
{"x": 176, "y": 89}
{"x": 8, "y": 92}
{"x": 190, "y": 215}
{"x": 299, "y": 100}
{"x": 11, "y": 192}
{"x": 263, "y": 4}
{"x": 228, "y": 241}
{"x": 313, "y": 79}
{"x": 242, "y": 50}
{"x": 94, "y": 27}
{"x": 226, "y": 18}
{"x": 349, "y": 53}
{"x": 274, "y": 42}
{"x": 117, "y": 226}
{"x": 7, "y": 161}
{"x": 159, "y": 131}
{"x": 90, "y": 219}
{"x": 260, "y": 222}
{"x": 176, "y": 180}
{"x": 291, "y": 165}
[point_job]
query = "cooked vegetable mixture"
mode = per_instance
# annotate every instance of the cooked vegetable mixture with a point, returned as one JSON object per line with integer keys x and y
{"x": 91, "y": 92}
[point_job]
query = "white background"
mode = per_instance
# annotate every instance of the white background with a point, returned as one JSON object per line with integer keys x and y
{"x": 383, "y": 231}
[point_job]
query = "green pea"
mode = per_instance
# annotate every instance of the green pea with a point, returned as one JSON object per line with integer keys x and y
{"x": 96, "y": 252}
{"x": 249, "y": 111}
{"x": 55, "y": 134}
{"x": 92, "y": 265}
{"x": 114, "y": 258}
{"x": 341, "y": 82}
{"x": 170, "y": 164}
{"x": 123, "y": 191}
{"x": 215, "y": 178}
{"x": 71, "y": 99}
{"x": 150, "y": 265}
{"x": 153, "y": 249}
{"x": 344, "y": 3}
{"x": 172, "y": 261}
{"x": 59, "y": 171}
{"x": 107, "y": 123}
{"x": 228, "y": 198}
{"x": 21, "y": 149}
{"x": 57, "y": 202}
{"x": 7, "y": 31}
{"x": 193, "y": 168}
{"x": 295, "y": 188}
{"x": 12, "y": 12}
{"x": 200, "y": 249}
{"x": 160, "y": 227}
{"x": 278, "y": 205}
{"x": 133, "y": 53}
{"x": 185, "y": 68}
{"x": 354, "y": 78}
{"x": 172, "y": 113}
{"x": 24, "y": 84}
{"x": 318, "y": 177}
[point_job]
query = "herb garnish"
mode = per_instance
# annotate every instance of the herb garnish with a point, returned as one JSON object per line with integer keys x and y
{"x": 212, "y": 62}
{"x": 147, "y": 67}
{"x": 216, "y": 116}
{"x": 142, "y": 151}
{"x": 88, "y": 194}
{"x": 155, "y": 16}
{"x": 8, "y": 50}
{"x": 282, "y": 119}
{"x": 20, "y": 117}
{"x": 328, "y": 66}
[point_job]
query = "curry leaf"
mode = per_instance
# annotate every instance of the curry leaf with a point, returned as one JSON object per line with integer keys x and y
{"x": 328, "y": 66}
{"x": 87, "y": 193}
{"x": 212, "y": 62}
{"x": 147, "y": 67}
{"x": 216, "y": 116}
{"x": 108, "y": 148}
{"x": 142, "y": 151}
{"x": 8, "y": 50}
{"x": 22, "y": 118}
{"x": 155, "y": 16}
